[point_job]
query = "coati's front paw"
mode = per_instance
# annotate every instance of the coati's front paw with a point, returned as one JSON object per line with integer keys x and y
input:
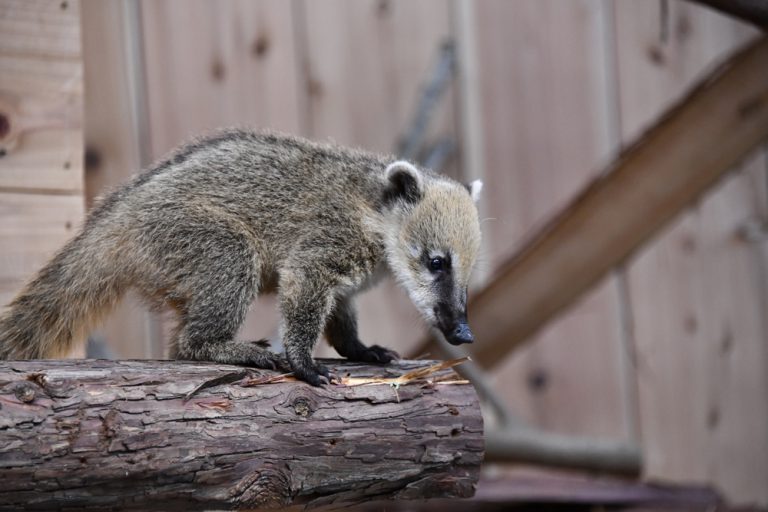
{"x": 375, "y": 354}
{"x": 314, "y": 373}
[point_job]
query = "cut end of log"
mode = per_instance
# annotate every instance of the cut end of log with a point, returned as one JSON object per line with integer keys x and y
{"x": 154, "y": 434}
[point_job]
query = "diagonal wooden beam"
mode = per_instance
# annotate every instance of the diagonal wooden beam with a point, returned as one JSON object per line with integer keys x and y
{"x": 751, "y": 11}
{"x": 687, "y": 151}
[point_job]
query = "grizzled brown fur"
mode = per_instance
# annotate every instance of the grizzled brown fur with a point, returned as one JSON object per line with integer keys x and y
{"x": 241, "y": 213}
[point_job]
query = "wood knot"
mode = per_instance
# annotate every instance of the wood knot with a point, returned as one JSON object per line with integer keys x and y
{"x": 25, "y": 392}
{"x": 260, "y": 46}
{"x": 92, "y": 159}
{"x": 538, "y": 380}
{"x": 690, "y": 324}
{"x": 683, "y": 28}
{"x": 265, "y": 485}
{"x": 300, "y": 403}
{"x": 656, "y": 55}
{"x": 218, "y": 70}
{"x": 302, "y": 407}
{"x": 110, "y": 423}
{"x": 314, "y": 87}
{"x": 713, "y": 418}
{"x": 5, "y": 125}
{"x": 57, "y": 389}
{"x": 726, "y": 343}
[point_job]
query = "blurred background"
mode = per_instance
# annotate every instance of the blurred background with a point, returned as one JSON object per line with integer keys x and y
{"x": 668, "y": 352}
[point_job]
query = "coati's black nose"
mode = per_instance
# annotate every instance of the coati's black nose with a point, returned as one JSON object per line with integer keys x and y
{"x": 460, "y": 335}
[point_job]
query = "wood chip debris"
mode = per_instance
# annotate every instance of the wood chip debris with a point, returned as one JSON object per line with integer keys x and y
{"x": 419, "y": 375}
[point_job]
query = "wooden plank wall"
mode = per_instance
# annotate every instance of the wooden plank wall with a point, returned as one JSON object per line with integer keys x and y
{"x": 41, "y": 137}
{"x": 697, "y": 293}
{"x": 670, "y": 351}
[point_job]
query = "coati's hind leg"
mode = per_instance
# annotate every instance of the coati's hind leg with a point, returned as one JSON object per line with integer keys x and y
{"x": 211, "y": 317}
{"x": 341, "y": 331}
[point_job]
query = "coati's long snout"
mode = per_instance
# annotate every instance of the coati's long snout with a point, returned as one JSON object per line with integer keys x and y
{"x": 452, "y": 322}
{"x": 460, "y": 334}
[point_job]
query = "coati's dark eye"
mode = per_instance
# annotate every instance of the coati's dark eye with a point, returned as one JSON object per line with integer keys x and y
{"x": 437, "y": 264}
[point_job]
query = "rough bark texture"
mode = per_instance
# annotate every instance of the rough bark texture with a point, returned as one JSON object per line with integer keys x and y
{"x": 120, "y": 434}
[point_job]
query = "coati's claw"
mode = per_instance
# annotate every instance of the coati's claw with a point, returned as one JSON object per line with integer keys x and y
{"x": 327, "y": 381}
{"x": 331, "y": 377}
{"x": 312, "y": 377}
{"x": 376, "y": 354}
{"x": 316, "y": 375}
{"x": 270, "y": 361}
{"x": 317, "y": 380}
{"x": 323, "y": 370}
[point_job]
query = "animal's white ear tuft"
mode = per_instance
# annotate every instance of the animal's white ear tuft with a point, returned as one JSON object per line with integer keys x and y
{"x": 405, "y": 181}
{"x": 474, "y": 189}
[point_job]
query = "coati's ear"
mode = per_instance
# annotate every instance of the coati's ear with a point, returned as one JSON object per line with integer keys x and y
{"x": 405, "y": 182}
{"x": 474, "y": 189}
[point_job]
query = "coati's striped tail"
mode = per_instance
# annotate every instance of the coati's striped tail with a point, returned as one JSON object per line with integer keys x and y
{"x": 58, "y": 307}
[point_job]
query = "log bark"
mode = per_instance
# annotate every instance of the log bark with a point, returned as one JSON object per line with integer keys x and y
{"x": 94, "y": 434}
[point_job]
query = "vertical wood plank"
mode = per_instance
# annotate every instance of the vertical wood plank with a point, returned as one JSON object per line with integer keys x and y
{"x": 41, "y": 97}
{"x": 546, "y": 102}
{"x": 702, "y": 360}
{"x": 365, "y": 64}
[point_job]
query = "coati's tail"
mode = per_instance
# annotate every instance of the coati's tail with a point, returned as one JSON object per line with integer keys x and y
{"x": 64, "y": 300}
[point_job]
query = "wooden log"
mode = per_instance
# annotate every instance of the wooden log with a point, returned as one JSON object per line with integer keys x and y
{"x": 687, "y": 151}
{"x": 92, "y": 434}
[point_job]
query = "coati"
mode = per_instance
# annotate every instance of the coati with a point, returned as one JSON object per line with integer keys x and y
{"x": 240, "y": 213}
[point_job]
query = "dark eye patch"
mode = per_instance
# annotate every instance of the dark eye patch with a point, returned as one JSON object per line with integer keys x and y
{"x": 438, "y": 264}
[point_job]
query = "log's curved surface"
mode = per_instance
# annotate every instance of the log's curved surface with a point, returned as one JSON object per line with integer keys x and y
{"x": 154, "y": 434}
